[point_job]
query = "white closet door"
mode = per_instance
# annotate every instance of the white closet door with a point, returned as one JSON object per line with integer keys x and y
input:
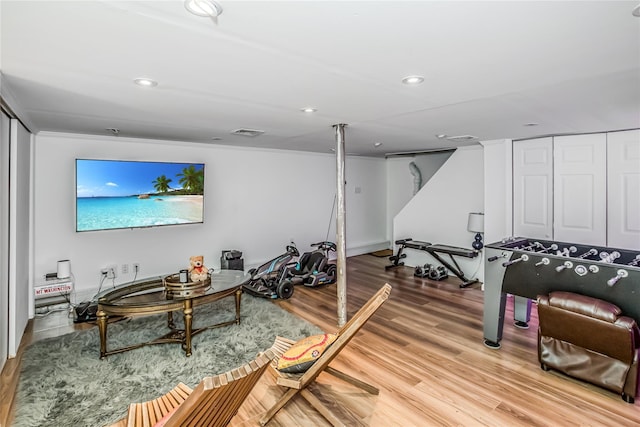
{"x": 580, "y": 189}
{"x": 533, "y": 188}
{"x": 623, "y": 216}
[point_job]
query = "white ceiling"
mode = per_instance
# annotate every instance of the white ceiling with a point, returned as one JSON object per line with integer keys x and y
{"x": 489, "y": 68}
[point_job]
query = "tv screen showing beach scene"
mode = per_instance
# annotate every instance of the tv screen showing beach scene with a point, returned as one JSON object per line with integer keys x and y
{"x": 116, "y": 194}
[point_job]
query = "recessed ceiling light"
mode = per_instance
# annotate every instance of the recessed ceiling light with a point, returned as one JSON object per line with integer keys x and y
{"x": 377, "y": 144}
{"x": 309, "y": 110}
{"x": 216, "y": 138}
{"x": 413, "y": 80}
{"x": 145, "y": 82}
{"x": 531, "y": 124}
{"x": 203, "y": 7}
{"x": 441, "y": 136}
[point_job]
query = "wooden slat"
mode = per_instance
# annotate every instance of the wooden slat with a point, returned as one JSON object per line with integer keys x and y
{"x": 319, "y": 406}
{"x": 216, "y": 400}
{"x": 348, "y": 378}
{"x": 147, "y": 414}
{"x": 157, "y": 412}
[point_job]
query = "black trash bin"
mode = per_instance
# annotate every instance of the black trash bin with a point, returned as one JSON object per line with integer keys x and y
{"x": 231, "y": 260}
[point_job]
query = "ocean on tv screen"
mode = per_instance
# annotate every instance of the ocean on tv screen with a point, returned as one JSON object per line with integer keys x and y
{"x": 104, "y": 213}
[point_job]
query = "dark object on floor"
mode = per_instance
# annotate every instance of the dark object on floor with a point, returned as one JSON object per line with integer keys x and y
{"x": 435, "y": 251}
{"x": 432, "y": 272}
{"x": 267, "y": 281}
{"x": 383, "y": 253}
{"x": 313, "y": 268}
{"x": 278, "y": 277}
{"x": 589, "y": 339}
{"x": 85, "y": 312}
{"x": 231, "y": 260}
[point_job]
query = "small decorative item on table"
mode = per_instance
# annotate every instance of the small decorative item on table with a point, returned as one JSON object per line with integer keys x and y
{"x": 197, "y": 270}
{"x": 175, "y": 288}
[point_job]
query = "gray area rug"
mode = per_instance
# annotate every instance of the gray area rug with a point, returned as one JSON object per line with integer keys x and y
{"x": 64, "y": 383}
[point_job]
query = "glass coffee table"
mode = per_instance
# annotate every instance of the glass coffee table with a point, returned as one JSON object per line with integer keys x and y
{"x": 151, "y": 297}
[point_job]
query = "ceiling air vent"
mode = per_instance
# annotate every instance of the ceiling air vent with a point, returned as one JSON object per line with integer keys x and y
{"x": 462, "y": 138}
{"x": 247, "y": 132}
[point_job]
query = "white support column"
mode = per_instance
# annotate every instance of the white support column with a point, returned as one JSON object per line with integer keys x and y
{"x": 341, "y": 226}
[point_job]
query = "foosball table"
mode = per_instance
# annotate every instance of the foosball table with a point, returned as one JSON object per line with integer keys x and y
{"x": 527, "y": 268}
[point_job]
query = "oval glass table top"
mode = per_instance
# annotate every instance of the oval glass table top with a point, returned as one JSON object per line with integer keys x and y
{"x": 152, "y": 292}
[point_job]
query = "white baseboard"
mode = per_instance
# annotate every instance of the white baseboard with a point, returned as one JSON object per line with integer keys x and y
{"x": 367, "y": 248}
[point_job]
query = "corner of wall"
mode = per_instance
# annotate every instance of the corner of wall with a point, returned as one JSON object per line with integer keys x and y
{"x": 439, "y": 212}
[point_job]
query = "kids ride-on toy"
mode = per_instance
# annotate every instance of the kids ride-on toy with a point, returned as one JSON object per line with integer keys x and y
{"x": 313, "y": 268}
{"x": 268, "y": 280}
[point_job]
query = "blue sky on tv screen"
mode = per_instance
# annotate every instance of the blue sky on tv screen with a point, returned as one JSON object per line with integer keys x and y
{"x": 109, "y": 178}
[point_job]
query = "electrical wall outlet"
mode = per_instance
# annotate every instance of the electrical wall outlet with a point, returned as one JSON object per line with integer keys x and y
{"x": 125, "y": 269}
{"x": 112, "y": 271}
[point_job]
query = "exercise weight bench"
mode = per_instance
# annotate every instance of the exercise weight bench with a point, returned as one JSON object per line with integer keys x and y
{"x": 405, "y": 243}
{"x": 435, "y": 251}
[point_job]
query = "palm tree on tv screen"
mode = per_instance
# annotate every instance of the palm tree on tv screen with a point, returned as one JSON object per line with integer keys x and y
{"x": 192, "y": 179}
{"x": 161, "y": 184}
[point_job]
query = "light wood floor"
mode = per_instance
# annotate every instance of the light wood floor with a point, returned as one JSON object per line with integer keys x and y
{"x": 424, "y": 350}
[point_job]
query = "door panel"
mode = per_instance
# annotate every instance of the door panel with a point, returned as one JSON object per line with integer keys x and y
{"x": 623, "y": 209}
{"x": 533, "y": 185}
{"x": 580, "y": 189}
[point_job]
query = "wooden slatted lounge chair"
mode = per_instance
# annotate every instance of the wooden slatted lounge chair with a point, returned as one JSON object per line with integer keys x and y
{"x": 214, "y": 402}
{"x": 298, "y": 383}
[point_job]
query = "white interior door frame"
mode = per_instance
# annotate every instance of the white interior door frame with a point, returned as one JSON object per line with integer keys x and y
{"x": 4, "y": 238}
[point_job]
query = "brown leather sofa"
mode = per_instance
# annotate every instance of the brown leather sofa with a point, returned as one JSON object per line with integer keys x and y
{"x": 589, "y": 339}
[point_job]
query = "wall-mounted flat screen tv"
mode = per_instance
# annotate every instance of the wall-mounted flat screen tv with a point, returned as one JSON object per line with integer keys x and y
{"x": 115, "y": 194}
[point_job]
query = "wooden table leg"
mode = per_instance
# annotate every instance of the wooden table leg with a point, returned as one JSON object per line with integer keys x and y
{"x": 238, "y": 298}
{"x": 102, "y": 327}
{"x": 188, "y": 318}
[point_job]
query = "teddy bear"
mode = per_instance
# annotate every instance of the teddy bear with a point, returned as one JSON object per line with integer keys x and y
{"x": 198, "y": 272}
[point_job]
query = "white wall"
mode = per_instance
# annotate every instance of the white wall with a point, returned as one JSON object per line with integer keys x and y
{"x": 440, "y": 211}
{"x": 256, "y": 201}
{"x": 19, "y": 233}
{"x": 365, "y": 205}
{"x": 429, "y": 163}
{"x": 399, "y": 188}
{"x": 498, "y": 194}
{"x": 400, "y": 181}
